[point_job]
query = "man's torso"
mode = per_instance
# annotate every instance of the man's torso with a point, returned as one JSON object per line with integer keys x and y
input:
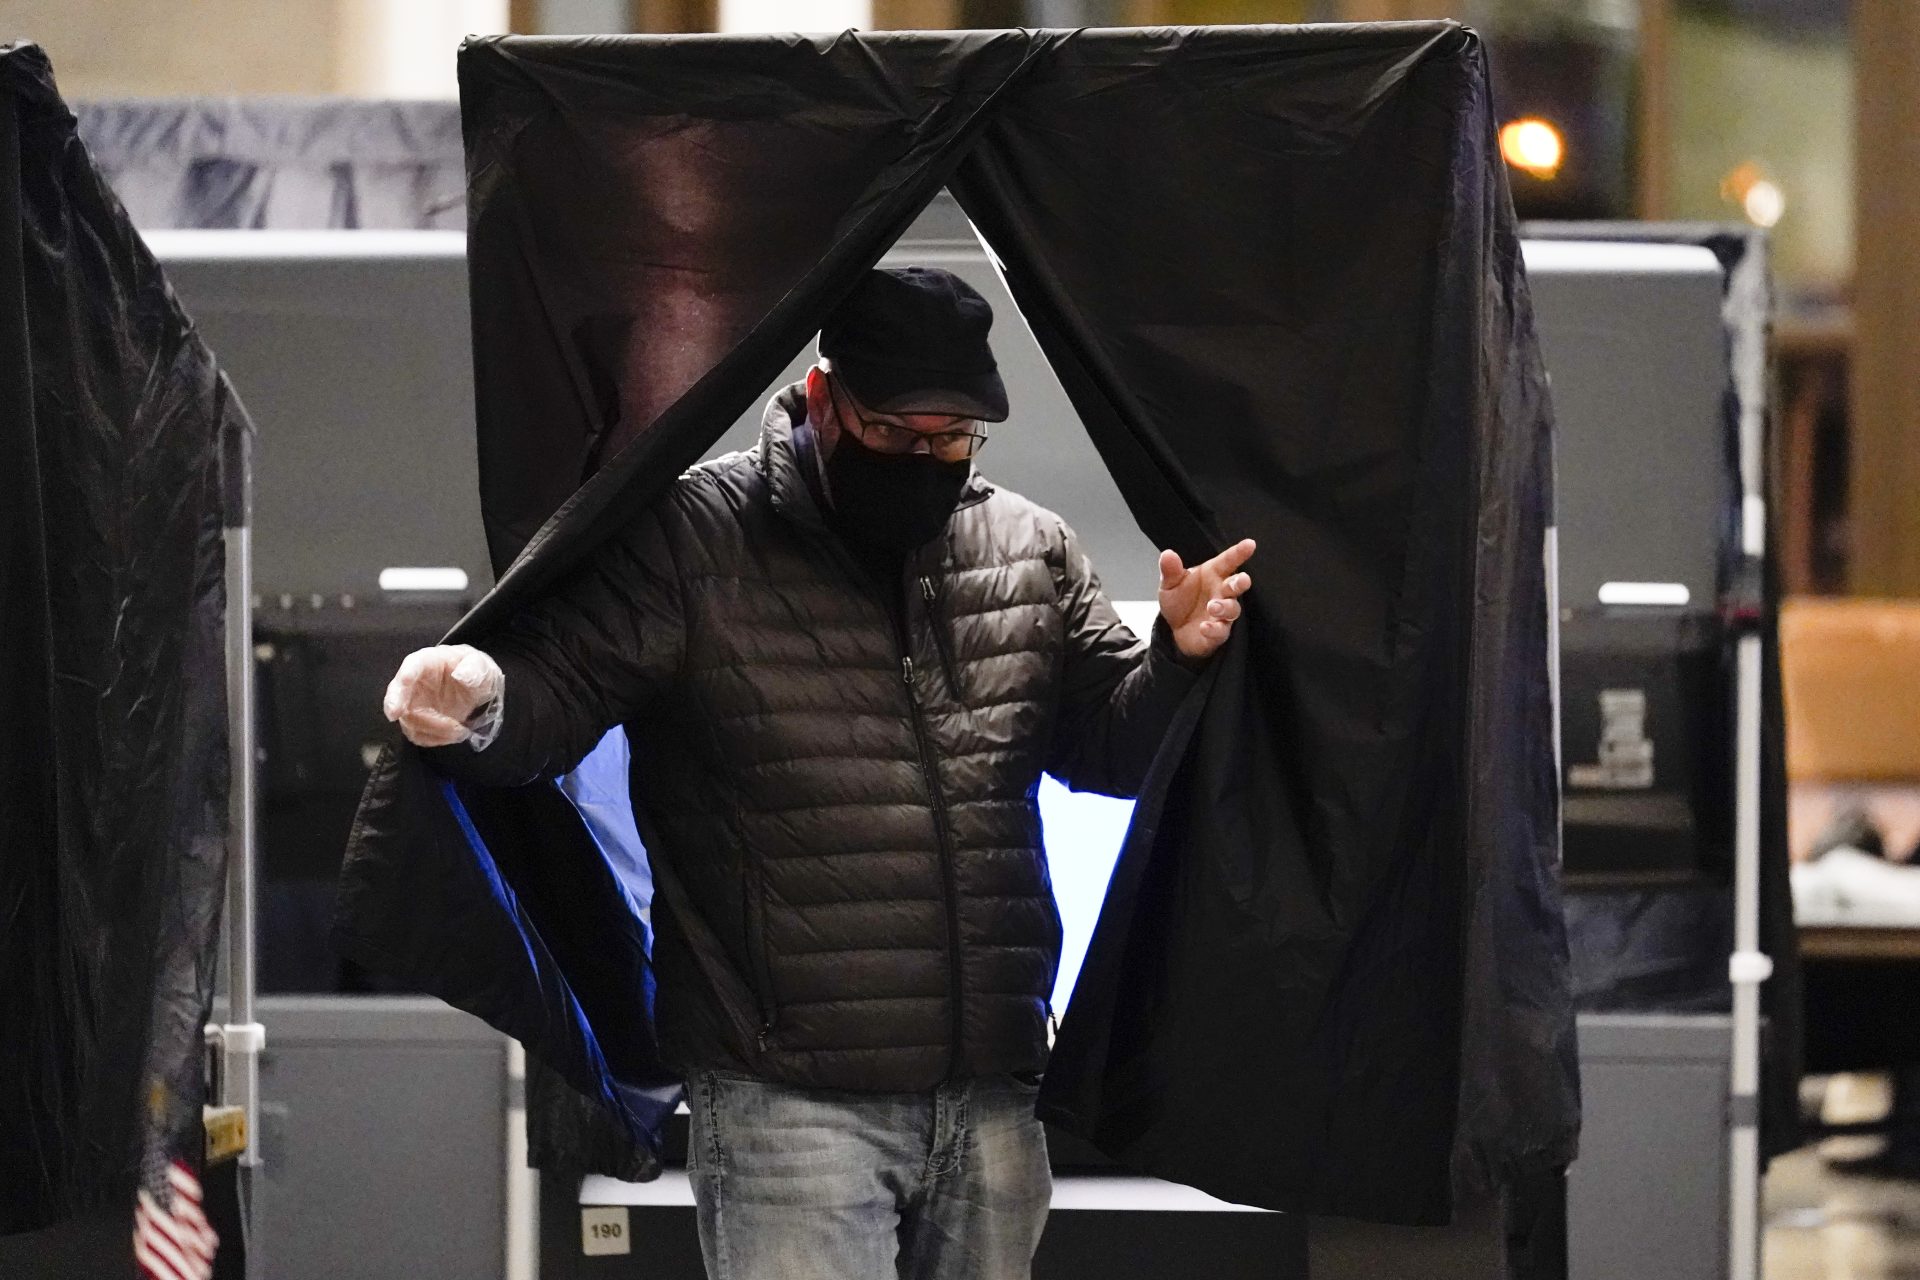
{"x": 840, "y": 802}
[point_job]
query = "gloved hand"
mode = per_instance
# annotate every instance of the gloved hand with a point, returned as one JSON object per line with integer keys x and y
{"x": 437, "y": 690}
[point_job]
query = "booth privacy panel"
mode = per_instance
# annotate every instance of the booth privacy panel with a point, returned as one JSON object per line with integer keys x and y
{"x": 113, "y": 764}
{"x": 280, "y": 162}
{"x": 1276, "y": 271}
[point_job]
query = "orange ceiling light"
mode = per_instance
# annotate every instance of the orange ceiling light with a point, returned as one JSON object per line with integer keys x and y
{"x": 1533, "y": 146}
{"x": 1758, "y": 196}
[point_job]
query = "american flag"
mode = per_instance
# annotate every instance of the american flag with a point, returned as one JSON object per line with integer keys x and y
{"x": 173, "y": 1242}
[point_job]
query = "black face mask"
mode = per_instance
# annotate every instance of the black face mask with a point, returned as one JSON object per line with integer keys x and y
{"x": 895, "y": 501}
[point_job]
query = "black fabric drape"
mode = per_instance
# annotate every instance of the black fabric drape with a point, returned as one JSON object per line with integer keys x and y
{"x": 113, "y": 763}
{"x": 1276, "y": 271}
{"x": 1319, "y": 348}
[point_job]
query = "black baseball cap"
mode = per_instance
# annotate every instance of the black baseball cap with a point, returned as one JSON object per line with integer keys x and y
{"x": 914, "y": 340}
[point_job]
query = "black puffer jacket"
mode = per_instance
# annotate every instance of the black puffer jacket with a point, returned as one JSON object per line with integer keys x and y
{"x": 851, "y": 890}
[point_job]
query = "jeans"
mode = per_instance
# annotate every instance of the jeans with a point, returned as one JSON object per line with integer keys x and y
{"x": 809, "y": 1184}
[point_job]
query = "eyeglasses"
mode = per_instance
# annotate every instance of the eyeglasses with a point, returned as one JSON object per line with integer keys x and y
{"x": 956, "y": 444}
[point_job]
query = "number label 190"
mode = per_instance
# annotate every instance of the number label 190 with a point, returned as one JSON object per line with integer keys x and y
{"x": 603, "y": 1229}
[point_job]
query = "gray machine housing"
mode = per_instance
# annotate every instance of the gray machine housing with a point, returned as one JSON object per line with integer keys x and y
{"x": 1648, "y": 501}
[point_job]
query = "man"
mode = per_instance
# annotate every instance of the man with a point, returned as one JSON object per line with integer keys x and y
{"x": 843, "y": 661}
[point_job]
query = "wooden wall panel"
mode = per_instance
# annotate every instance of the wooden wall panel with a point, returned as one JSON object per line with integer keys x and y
{"x": 1884, "y": 468}
{"x": 673, "y": 16}
{"x": 1653, "y": 113}
{"x": 1399, "y": 10}
{"x": 915, "y": 15}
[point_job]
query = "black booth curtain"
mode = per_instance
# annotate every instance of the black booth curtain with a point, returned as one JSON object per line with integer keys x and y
{"x": 113, "y": 764}
{"x": 1276, "y": 270}
{"x": 281, "y": 163}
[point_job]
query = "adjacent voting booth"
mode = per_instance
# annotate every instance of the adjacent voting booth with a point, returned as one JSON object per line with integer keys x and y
{"x": 124, "y": 769}
{"x": 1673, "y": 769}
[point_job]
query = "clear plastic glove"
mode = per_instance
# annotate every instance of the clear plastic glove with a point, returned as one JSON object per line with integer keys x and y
{"x": 436, "y": 691}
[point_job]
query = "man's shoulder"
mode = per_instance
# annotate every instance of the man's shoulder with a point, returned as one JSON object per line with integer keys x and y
{"x": 720, "y": 480}
{"x": 699, "y": 503}
{"x": 1006, "y": 509}
{"x": 742, "y": 466}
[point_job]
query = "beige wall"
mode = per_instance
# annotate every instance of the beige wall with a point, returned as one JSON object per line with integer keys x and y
{"x": 173, "y": 48}
{"x": 1786, "y": 105}
{"x": 191, "y": 48}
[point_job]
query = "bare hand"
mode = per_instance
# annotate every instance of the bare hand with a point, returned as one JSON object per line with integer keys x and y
{"x": 1200, "y": 604}
{"x": 437, "y": 689}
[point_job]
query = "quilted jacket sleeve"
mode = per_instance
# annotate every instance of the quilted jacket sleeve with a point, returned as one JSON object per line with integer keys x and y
{"x": 1118, "y": 693}
{"x": 582, "y": 660}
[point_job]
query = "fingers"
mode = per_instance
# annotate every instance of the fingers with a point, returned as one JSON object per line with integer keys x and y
{"x": 474, "y": 671}
{"x": 1225, "y": 610}
{"x": 430, "y": 720}
{"x": 1233, "y": 557}
{"x": 1172, "y": 571}
{"x": 400, "y": 689}
{"x": 435, "y": 688}
{"x": 426, "y": 728}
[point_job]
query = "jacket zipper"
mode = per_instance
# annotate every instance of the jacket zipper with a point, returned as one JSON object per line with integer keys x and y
{"x": 942, "y": 643}
{"x": 757, "y": 956}
{"x": 903, "y": 633}
{"x": 942, "y": 837}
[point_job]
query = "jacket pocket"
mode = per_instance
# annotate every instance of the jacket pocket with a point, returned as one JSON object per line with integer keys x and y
{"x": 760, "y": 970}
{"x": 942, "y": 641}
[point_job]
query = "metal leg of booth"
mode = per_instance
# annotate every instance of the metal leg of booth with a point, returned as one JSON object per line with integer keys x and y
{"x": 241, "y": 1037}
{"x": 1749, "y": 966}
